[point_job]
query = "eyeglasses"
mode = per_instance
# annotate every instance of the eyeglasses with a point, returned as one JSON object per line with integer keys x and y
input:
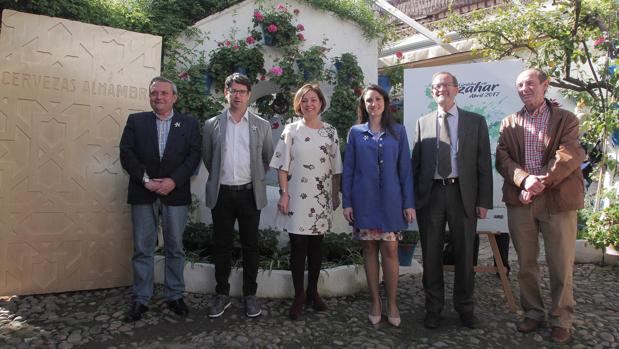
{"x": 438, "y": 86}
{"x": 238, "y": 92}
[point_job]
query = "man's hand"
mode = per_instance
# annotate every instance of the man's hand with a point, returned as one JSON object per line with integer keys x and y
{"x": 534, "y": 185}
{"x": 525, "y": 197}
{"x": 482, "y": 212}
{"x": 152, "y": 185}
{"x": 166, "y": 185}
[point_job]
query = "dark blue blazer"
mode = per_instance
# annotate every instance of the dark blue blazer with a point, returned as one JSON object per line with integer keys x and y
{"x": 139, "y": 152}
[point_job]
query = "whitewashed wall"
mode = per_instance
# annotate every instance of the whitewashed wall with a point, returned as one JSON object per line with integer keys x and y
{"x": 342, "y": 36}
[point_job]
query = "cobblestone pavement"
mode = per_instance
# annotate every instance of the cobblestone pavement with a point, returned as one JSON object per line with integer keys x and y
{"x": 92, "y": 319}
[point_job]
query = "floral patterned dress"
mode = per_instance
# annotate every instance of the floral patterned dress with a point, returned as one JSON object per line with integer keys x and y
{"x": 311, "y": 157}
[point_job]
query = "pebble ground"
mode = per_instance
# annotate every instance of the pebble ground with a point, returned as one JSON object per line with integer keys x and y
{"x": 93, "y": 319}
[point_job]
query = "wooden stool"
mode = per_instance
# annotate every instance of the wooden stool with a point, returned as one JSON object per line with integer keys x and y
{"x": 500, "y": 268}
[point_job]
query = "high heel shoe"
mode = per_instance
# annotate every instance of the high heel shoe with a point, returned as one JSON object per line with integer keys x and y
{"x": 394, "y": 320}
{"x": 375, "y": 319}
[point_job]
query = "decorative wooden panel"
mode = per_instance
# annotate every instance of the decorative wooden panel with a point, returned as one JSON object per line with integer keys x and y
{"x": 66, "y": 89}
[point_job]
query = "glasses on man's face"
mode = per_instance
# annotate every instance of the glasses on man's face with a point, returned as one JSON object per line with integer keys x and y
{"x": 439, "y": 86}
{"x": 237, "y": 92}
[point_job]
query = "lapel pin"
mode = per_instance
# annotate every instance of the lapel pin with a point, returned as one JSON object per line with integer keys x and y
{"x": 178, "y": 124}
{"x": 254, "y": 128}
{"x": 365, "y": 138}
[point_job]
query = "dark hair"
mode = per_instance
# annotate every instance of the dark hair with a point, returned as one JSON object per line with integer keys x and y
{"x": 296, "y": 104}
{"x": 453, "y": 78}
{"x": 239, "y": 79}
{"x": 166, "y": 80}
{"x": 387, "y": 120}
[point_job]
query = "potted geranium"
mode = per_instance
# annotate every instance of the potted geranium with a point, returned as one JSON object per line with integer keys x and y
{"x": 277, "y": 26}
{"x": 230, "y": 56}
{"x": 406, "y": 247}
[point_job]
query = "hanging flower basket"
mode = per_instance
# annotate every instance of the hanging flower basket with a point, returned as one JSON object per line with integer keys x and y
{"x": 277, "y": 26}
{"x": 240, "y": 56}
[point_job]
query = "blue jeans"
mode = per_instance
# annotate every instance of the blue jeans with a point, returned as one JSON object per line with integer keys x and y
{"x": 144, "y": 243}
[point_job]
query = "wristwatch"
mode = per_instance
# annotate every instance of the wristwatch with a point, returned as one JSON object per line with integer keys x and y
{"x": 281, "y": 191}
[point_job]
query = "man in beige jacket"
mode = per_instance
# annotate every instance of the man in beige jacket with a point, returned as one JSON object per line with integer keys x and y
{"x": 539, "y": 156}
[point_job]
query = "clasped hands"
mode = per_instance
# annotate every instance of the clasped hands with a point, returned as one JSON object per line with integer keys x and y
{"x": 533, "y": 186}
{"x": 160, "y": 186}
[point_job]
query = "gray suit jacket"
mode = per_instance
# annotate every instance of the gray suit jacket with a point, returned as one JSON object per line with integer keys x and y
{"x": 260, "y": 149}
{"x": 474, "y": 162}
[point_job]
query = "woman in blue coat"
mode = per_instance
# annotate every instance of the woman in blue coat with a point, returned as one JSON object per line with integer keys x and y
{"x": 378, "y": 194}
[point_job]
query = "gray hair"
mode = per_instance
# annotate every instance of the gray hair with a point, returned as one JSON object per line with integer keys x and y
{"x": 162, "y": 79}
{"x": 540, "y": 74}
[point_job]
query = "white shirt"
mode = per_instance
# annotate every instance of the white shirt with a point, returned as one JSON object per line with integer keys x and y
{"x": 236, "y": 166}
{"x": 453, "y": 137}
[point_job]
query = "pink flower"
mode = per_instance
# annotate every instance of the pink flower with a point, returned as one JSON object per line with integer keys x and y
{"x": 272, "y": 28}
{"x": 183, "y": 75}
{"x": 277, "y": 70}
{"x": 296, "y": 11}
{"x": 258, "y": 16}
{"x": 301, "y": 37}
{"x": 399, "y": 54}
{"x": 599, "y": 41}
{"x": 300, "y": 27}
{"x": 282, "y": 7}
{"x": 235, "y": 47}
{"x": 227, "y": 43}
{"x": 262, "y": 78}
{"x": 250, "y": 40}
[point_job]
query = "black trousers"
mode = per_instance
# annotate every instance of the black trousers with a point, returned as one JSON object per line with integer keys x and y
{"x": 444, "y": 209}
{"x": 233, "y": 206}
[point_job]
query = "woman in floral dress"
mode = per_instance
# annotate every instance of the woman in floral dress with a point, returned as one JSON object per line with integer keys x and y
{"x": 377, "y": 192}
{"x": 309, "y": 165}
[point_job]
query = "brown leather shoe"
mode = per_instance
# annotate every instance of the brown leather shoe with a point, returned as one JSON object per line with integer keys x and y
{"x": 560, "y": 335}
{"x": 528, "y": 325}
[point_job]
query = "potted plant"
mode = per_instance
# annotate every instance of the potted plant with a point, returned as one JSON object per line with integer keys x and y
{"x": 311, "y": 63}
{"x": 277, "y": 26}
{"x": 242, "y": 56}
{"x": 406, "y": 247}
{"x": 602, "y": 229}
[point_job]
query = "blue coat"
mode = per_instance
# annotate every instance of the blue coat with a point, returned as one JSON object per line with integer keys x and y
{"x": 377, "y": 181}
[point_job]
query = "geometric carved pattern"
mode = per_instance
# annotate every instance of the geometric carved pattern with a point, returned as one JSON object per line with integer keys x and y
{"x": 66, "y": 89}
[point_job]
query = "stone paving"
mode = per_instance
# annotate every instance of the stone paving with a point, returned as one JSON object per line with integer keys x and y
{"x": 92, "y": 319}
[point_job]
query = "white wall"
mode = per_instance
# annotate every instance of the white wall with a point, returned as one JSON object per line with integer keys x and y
{"x": 342, "y": 36}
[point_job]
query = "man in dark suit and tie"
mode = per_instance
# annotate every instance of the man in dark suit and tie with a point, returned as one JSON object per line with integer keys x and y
{"x": 453, "y": 186}
{"x": 236, "y": 149}
{"x": 159, "y": 150}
